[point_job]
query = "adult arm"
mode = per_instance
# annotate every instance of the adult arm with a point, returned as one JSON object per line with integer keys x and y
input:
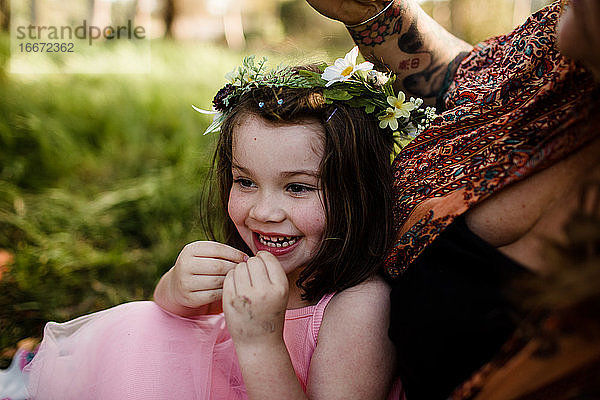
{"x": 403, "y": 39}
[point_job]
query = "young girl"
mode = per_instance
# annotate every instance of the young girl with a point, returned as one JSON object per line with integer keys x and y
{"x": 290, "y": 305}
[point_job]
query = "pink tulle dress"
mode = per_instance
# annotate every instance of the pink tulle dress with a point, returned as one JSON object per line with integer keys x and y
{"x": 138, "y": 351}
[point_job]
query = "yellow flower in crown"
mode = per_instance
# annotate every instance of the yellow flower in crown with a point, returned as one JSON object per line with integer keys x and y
{"x": 343, "y": 68}
{"x": 390, "y": 118}
{"x": 404, "y": 107}
{"x": 344, "y": 82}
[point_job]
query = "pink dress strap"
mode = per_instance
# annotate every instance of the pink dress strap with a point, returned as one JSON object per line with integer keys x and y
{"x": 318, "y": 316}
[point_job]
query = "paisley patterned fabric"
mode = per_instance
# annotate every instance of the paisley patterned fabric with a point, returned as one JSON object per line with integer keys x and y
{"x": 514, "y": 107}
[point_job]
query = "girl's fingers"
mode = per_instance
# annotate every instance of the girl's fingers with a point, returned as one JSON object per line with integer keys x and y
{"x": 273, "y": 267}
{"x": 229, "y": 290}
{"x": 242, "y": 278}
{"x": 208, "y": 249}
{"x": 258, "y": 272}
{"x": 200, "y": 283}
{"x": 205, "y": 296}
{"x": 209, "y": 266}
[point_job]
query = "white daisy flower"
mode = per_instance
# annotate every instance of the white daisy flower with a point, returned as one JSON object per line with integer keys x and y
{"x": 343, "y": 68}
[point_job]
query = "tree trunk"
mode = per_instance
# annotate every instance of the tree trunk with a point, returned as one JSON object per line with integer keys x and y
{"x": 4, "y": 15}
{"x": 233, "y": 27}
{"x": 33, "y": 11}
{"x": 169, "y": 16}
{"x": 91, "y": 7}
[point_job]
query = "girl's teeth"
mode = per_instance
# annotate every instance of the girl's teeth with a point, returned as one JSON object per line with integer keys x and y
{"x": 281, "y": 241}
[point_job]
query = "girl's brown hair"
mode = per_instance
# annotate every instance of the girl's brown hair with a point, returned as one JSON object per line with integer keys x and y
{"x": 356, "y": 179}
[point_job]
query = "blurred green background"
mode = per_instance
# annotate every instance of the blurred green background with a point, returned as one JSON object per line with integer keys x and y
{"x": 101, "y": 174}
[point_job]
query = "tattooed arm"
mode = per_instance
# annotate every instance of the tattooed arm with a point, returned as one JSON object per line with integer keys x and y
{"x": 403, "y": 39}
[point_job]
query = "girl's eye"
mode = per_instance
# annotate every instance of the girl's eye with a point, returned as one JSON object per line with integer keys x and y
{"x": 243, "y": 182}
{"x": 296, "y": 188}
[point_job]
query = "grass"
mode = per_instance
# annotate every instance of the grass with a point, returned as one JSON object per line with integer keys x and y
{"x": 100, "y": 177}
{"x": 101, "y": 174}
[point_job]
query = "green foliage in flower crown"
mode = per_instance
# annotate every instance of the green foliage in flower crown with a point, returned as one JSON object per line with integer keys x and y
{"x": 250, "y": 75}
{"x": 362, "y": 88}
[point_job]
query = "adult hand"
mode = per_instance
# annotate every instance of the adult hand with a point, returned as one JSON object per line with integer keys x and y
{"x": 197, "y": 277}
{"x": 255, "y": 296}
{"x": 349, "y": 12}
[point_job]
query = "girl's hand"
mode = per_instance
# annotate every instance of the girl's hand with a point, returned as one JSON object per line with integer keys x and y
{"x": 255, "y": 296}
{"x": 349, "y": 12}
{"x": 196, "y": 279}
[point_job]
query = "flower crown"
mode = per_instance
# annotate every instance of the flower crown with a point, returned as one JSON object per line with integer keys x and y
{"x": 344, "y": 81}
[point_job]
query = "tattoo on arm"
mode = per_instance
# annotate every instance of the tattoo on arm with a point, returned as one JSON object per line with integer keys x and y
{"x": 424, "y": 49}
{"x": 411, "y": 41}
{"x": 377, "y": 31}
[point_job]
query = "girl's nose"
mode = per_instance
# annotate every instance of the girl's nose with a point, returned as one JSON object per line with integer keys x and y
{"x": 266, "y": 208}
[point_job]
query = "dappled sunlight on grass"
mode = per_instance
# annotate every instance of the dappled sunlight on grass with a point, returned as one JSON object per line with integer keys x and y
{"x": 101, "y": 174}
{"x": 100, "y": 179}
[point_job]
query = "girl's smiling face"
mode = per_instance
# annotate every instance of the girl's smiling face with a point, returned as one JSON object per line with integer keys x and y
{"x": 276, "y": 200}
